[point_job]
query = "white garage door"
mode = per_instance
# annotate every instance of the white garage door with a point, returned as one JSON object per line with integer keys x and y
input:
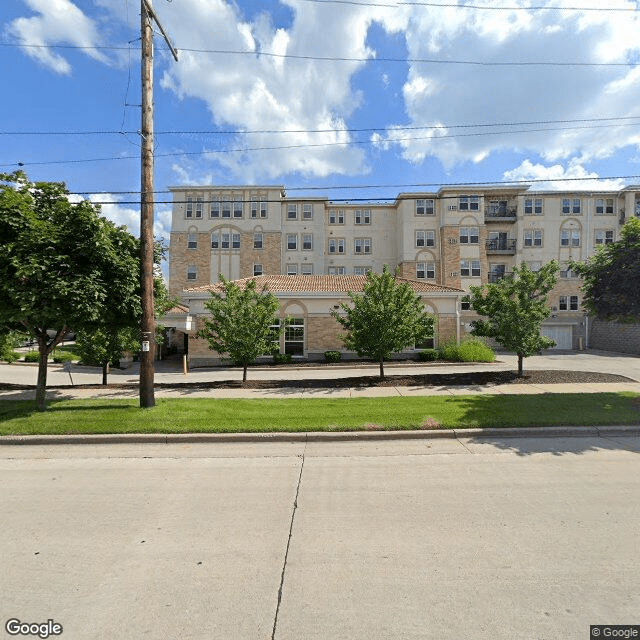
{"x": 561, "y": 334}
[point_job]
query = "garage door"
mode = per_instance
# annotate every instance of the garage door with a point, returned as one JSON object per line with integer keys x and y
{"x": 561, "y": 334}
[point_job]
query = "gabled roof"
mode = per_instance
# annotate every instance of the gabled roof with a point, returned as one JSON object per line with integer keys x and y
{"x": 312, "y": 284}
{"x": 177, "y": 310}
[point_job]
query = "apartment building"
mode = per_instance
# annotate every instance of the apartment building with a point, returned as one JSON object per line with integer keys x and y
{"x": 454, "y": 237}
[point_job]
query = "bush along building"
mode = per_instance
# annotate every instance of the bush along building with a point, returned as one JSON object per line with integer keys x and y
{"x": 443, "y": 242}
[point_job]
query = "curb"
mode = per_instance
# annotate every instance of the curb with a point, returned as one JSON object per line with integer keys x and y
{"x": 323, "y": 436}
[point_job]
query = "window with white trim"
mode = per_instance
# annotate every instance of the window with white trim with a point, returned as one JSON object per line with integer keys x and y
{"x": 425, "y": 270}
{"x": 199, "y": 204}
{"x": 292, "y": 212}
{"x": 568, "y": 272}
{"x": 215, "y": 240}
{"x": 337, "y": 271}
{"x": 188, "y": 211}
{"x": 257, "y": 241}
{"x": 533, "y": 206}
{"x": 425, "y": 238}
{"x": 468, "y": 235}
{"x": 226, "y": 209}
{"x": 532, "y": 238}
{"x": 235, "y": 240}
{"x": 192, "y": 241}
{"x": 292, "y": 241}
{"x": 568, "y": 303}
{"x": 469, "y": 203}
{"x": 362, "y": 245}
{"x": 470, "y": 268}
{"x": 336, "y": 216}
{"x": 257, "y": 269}
{"x": 362, "y": 216}
{"x": 307, "y": 269}
{"x": 604, "y": 206}
{"x": 192, "y": 272}
{"x": 604, "y": 236}
{"x": 294, "y": 337}
{"x": 258, "y": 208}
{"x": 336, "y": 245}
{"x": 214, "y": 209}
{"x": 571, "y": 206}
{"x": 361, "y": 271}
{"x": 226, "y": 237}
{"x": 307, "y": 242}
{"x": 425, "y": 207}
{"x": 569, "y": 237}
{"x": 238, "y": 208}
{"x": 292, "y": 269}
{"x": 307, "y": 211}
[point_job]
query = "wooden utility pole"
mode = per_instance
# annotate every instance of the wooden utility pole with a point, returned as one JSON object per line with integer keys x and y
{"x": 147, "y": 324}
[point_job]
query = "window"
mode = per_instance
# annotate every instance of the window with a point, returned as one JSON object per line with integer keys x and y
{"x": 337, "y": 271}
{"x": 568, "y": 273}
{"x": 425, "y": 207}
{"x": 188, "y": 212}
{"x": 192, "y": 273}
{"x": 214, "y": 210}
{"x": 533, "y": 206}
{"x": 292, "y": 212}
{"x": 336, "y": 216}
{"x": 468, "y": 235}
{"x": 294, "y": 337}
{"x": 576, "y": 206}
{"x": 498, "y": 208}
{"x": 426, "y": 270}
{"x": 307, "y": 211}
{"x": 226, "y": 209}
{"x": 307, "y": 241}
{"x": 225, "y": 240}
{"x": 307, "y": 269}
{"x": 362, "y": 216}
{"x": 336, "y": 245}
{"x": 570, "y": 205}
{"x": 465, "y": 305}
{"x": 569, "y": 238}
{"x": 257, "y": 269}
{"x": 532, "y": 238}
{"x": 237, "y": 208}
{"x": 425, "y": 238}
{"x": 363, "y": 245}
{"x": 604, "y": 236}
{"x": 470, "y": 268}
{"x": 199, "y": 207}
{"x": 604, "y": 206}
{"x": 468, "y": 203}
{"x": 235, "y": 240}
{"x": 568, "y": 303}
{"x": 215, "y": 240}
{"x": 192, "y": 241}
{"x": 292, "y": 269}
{"x": 292, "y": 241}
{"x": 361, "y": 271}
{"x": 257, "y": 241}
{"x": 258, "y": 208}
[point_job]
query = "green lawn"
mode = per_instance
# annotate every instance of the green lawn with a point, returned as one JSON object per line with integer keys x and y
{"x": 318, "y": 414}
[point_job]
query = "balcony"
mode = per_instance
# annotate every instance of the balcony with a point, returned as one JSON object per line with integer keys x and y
{"x": 500, "y": 214}
{"x": 501, "y": 246}
{"x": 494, "y": 277}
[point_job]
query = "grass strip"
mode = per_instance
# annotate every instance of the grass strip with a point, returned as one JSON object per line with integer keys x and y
{"x": 205, "y": 415}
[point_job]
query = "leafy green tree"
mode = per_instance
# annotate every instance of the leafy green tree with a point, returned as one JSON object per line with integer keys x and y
{"x": 515, "y": 307}
{"x": 385, "y": 318}
{"x": 241, "y": 322}
{"x": 611, "y": 278}
{"x": 104, "y": 347}
{"x": 9, "y": 340}
{"x": 61, "y": 266}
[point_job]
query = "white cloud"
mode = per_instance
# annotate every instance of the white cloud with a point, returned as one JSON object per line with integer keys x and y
{"x": 58, "y": 22}
{"x": 560, "y": 178}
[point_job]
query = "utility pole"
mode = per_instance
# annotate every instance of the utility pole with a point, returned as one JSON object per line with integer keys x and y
{"x": 147, "y": 323}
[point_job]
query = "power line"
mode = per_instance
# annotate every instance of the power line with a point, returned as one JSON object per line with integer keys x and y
{"x": 613, "y": 119}
{"x": 314, "y": 145}
{"x": 477, "y": 63}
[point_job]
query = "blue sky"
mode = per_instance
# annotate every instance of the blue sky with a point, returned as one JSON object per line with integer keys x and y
{"x": 357, "y": 94}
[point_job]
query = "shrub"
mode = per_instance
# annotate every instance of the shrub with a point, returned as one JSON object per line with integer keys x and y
{"x": 469, "y": 350}
{"x": 428, "y": 355}
{"x": 332, "y": 356}
{"x": 282, "y": 358}
{"x": 64, "y": 356}
{"x": 32, "y": 356}
{"x": 10, "y": 356}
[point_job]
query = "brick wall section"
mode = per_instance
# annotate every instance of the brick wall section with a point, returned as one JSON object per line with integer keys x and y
{"x": 450, "y": 252}
{"x": 445, "y": 329}
{"x": 269, "y": 256}
{"x": 181, "y": 258}
{"x": 322, "y": 334}
{"x": 614, "y": 336}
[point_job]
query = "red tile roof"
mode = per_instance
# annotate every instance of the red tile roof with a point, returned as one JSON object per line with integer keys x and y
{"x": 312, "y": 284}
{"x": 179, "y": 308}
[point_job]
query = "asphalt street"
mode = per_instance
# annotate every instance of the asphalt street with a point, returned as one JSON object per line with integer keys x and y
{"x": 453, "y": 538}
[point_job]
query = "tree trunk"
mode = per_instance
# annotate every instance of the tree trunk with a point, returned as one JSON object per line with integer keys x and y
{"x": 105, "y": 372}
{"x": 520, "y": 359}
{"x": 244, "y": 373}
{"x": 41, "y": 388}
{"x": 381, "y": 367}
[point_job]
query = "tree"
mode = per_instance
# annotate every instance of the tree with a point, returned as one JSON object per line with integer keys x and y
{"x": 516, "y": 307}
{"x": 104, "y": 347}
{"x": 241, "y": 323}
{"x": 610, "y": 278}
{"x": 60, "y": 264}
{"x": 385, "y": 318}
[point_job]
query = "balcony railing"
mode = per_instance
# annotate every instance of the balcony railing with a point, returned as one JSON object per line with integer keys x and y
{"x": 501, "y": 246}
{"x": 501, "y": 214}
